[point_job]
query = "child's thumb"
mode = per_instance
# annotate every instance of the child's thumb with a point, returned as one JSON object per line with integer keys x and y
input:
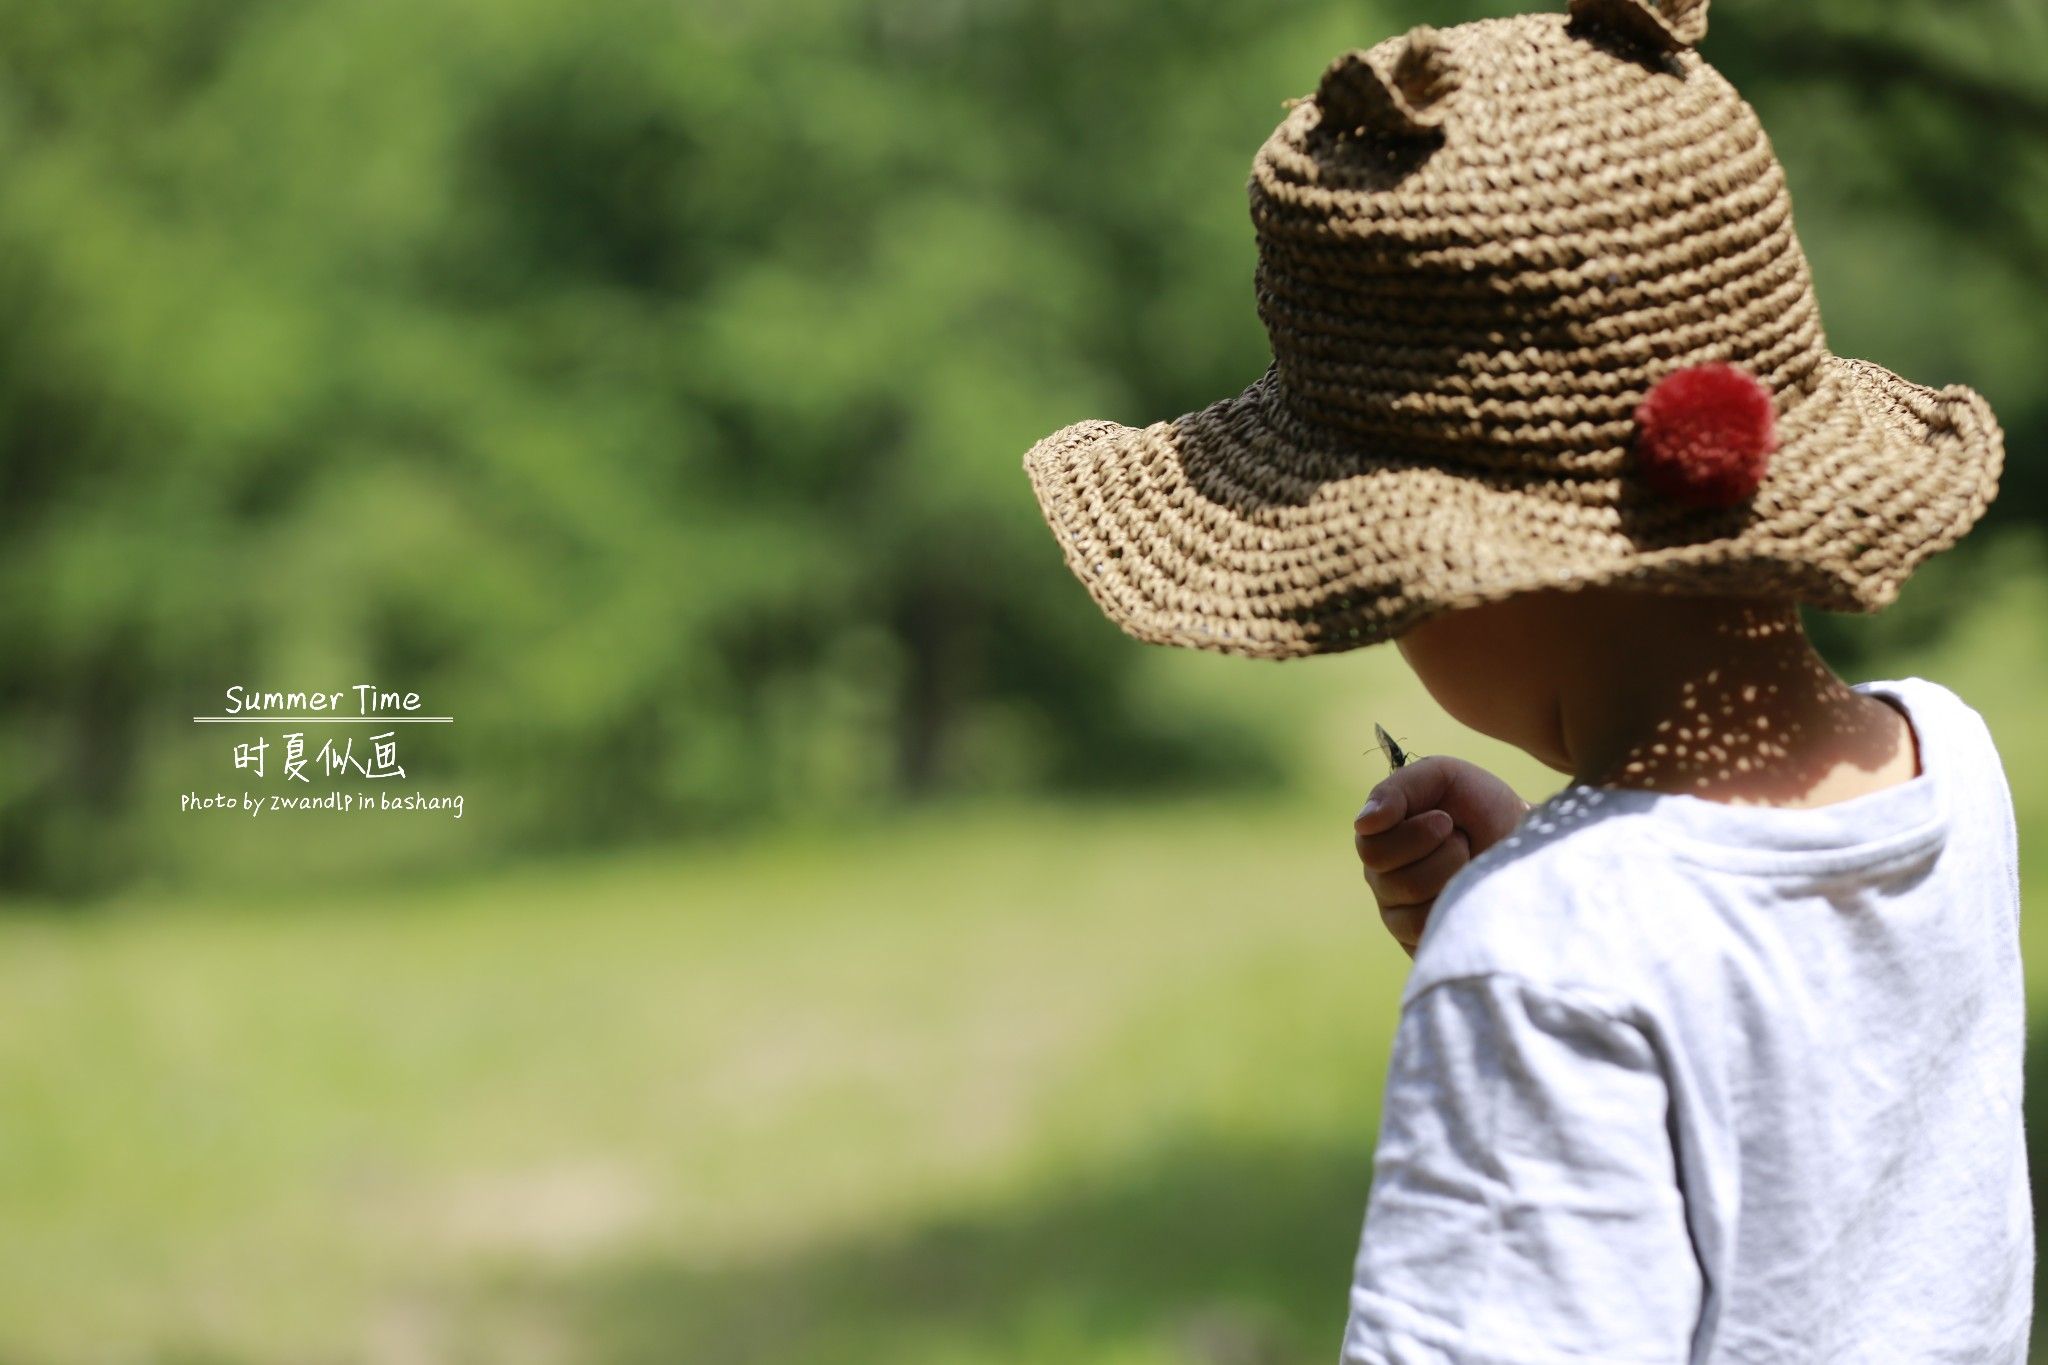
{"x": 1407, "y": 791}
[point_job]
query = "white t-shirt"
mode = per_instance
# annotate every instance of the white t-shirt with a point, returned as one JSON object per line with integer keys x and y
{"x": 1682, "y": 1081}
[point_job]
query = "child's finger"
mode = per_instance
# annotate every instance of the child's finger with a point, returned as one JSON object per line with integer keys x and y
{"x": 1419, "y": 882}
{"x": 1405, "y": 923}
{"x": 1384, "y": 808}
{"x": 1415, "y": 837}
{"x": 1417, "y": 787}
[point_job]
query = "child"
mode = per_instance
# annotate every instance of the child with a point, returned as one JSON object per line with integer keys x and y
{"x": 1716, "y": 1054}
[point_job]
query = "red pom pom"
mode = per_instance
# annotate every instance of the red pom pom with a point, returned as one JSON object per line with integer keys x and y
{"x": 1704, "y": 435}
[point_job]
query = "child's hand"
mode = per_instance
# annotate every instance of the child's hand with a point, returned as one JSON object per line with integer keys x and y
{"x": 1421, "y": 825}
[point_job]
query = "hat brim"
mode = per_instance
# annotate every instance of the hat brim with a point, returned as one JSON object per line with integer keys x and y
{"x": 1239, "y": 531}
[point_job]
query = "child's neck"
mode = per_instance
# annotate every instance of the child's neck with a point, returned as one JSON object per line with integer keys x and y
{"x": 1728, "y": 702}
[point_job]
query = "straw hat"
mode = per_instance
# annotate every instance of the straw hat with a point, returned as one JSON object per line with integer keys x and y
{"x": 1538, "y": 319}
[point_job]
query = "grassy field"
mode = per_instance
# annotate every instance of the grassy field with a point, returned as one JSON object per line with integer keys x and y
{"x": 1011, "y": 1085}
{"x": 987, "y": 1084}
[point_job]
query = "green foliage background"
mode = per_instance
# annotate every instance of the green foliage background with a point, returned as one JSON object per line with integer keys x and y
{"x": 645, "y": 382}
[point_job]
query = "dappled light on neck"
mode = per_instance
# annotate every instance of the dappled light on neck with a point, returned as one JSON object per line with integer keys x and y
{"x": 1766, "y": 723}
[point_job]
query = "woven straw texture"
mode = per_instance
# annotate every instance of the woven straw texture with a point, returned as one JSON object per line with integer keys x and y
{"x": 1478, "y": 250}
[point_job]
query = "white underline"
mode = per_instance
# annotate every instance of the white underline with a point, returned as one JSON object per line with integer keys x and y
{"x": 323, "y": 720}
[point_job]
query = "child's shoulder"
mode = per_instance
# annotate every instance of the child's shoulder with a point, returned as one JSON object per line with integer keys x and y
{"x": 1940, "y": 716}
{"x": 1558, "y": 902}
{"x": 1593, "y": 890}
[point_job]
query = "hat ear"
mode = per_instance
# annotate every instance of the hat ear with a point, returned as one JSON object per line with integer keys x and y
{"x": 1666, "y": 25}
{"x": 1355, "y": 98}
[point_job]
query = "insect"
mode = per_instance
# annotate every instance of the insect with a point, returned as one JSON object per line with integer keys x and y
{"x": 1397, "y": 757}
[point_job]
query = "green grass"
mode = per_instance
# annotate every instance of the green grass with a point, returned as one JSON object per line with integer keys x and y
{"x": 989, "y": 1084}
{"x": 1005, "y": 1085}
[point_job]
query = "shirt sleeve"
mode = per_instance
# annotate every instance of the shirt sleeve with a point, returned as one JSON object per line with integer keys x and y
{"x": 1525, "y": 1201}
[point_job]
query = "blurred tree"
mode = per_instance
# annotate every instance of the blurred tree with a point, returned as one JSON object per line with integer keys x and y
{"x": 646, "y": 383}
